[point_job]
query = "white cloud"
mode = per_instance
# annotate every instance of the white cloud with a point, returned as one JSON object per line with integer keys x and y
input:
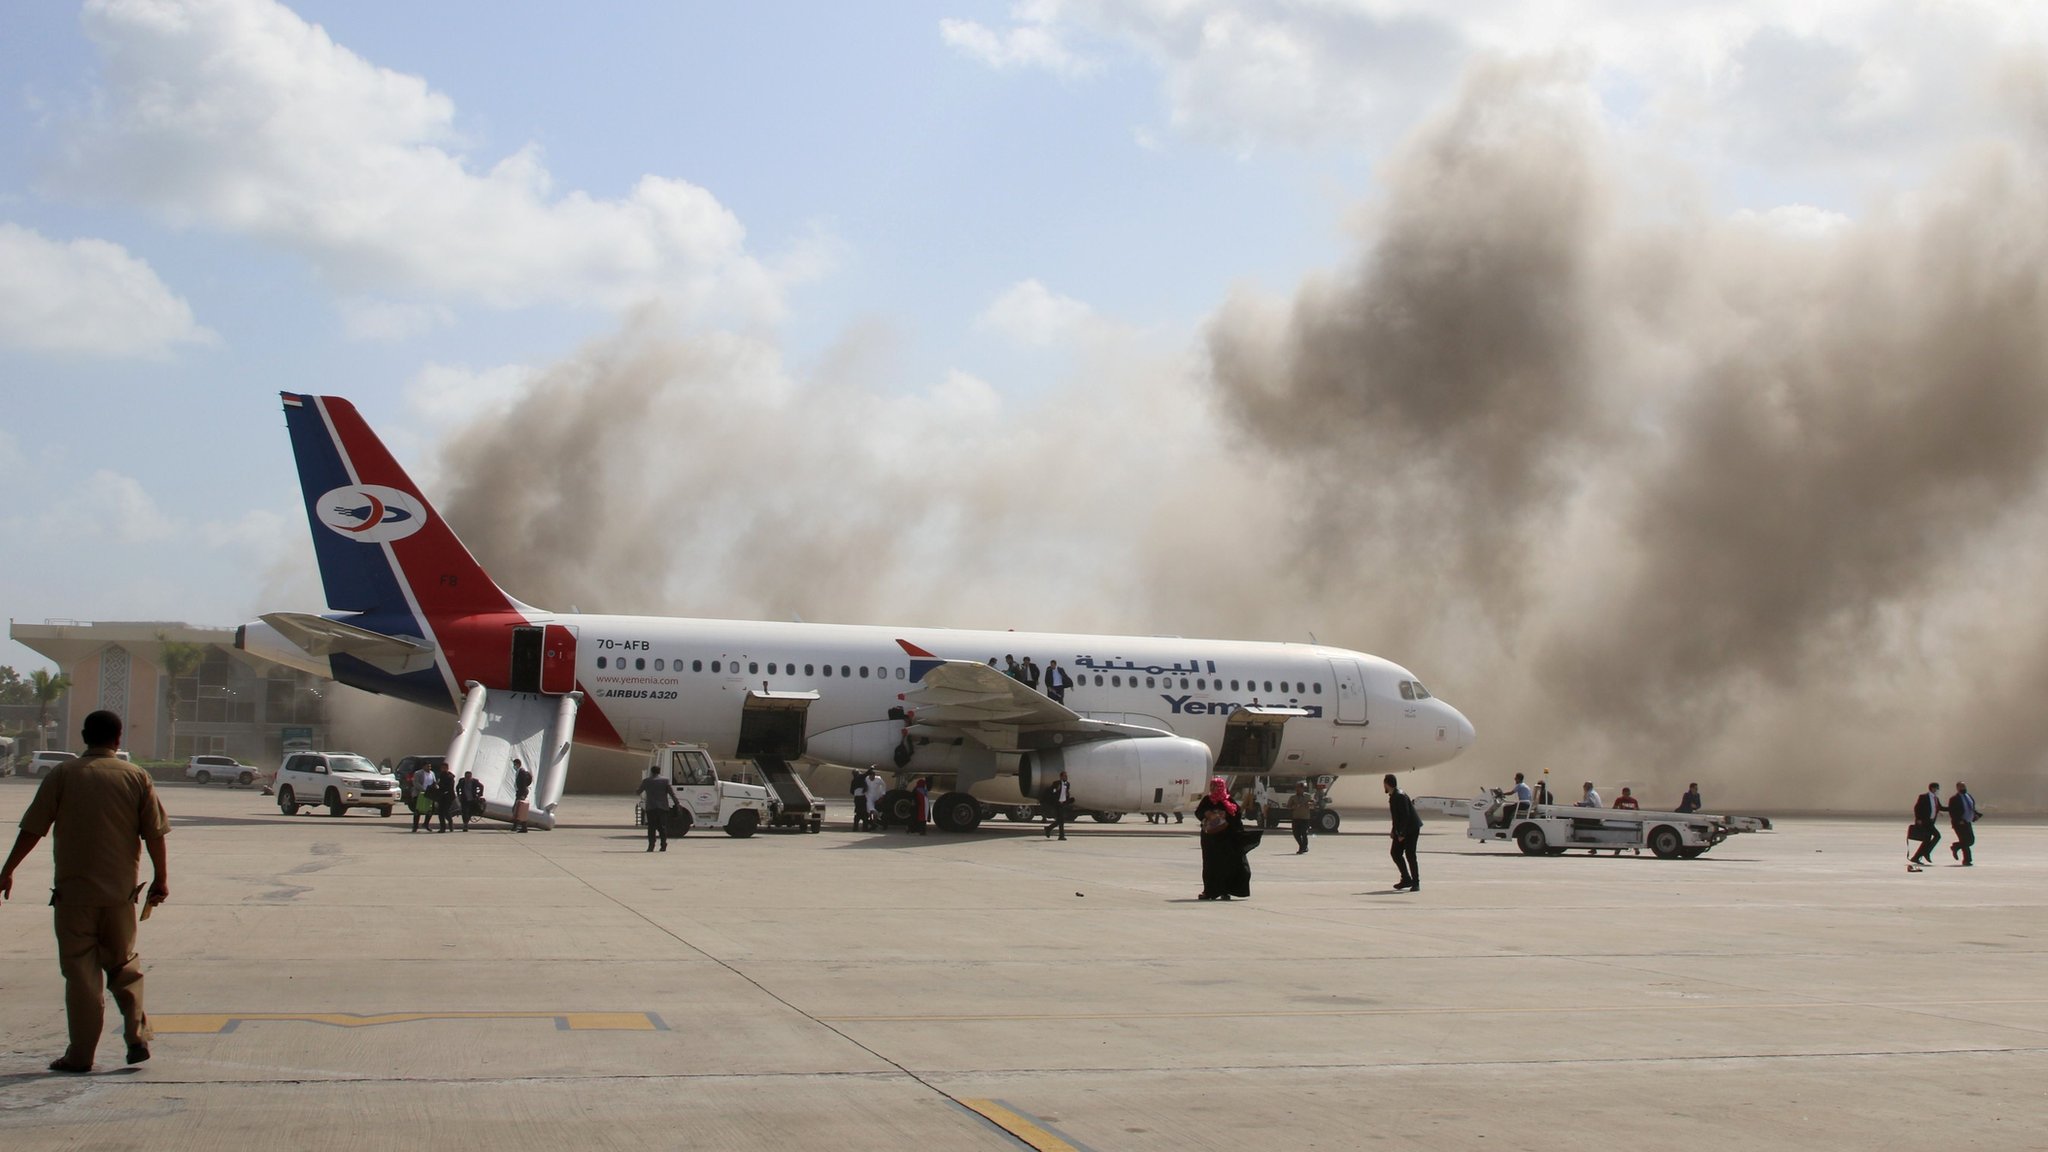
{"x": 388, "y": 321}
{"x": 87, "y": 297}
{"x": 1845, "y": 84}
{"x": 443, "y": 397}
{"x": 1032, "y": 41}
{"x": 1031, "y": 314}
{"x": 240, "y": 116}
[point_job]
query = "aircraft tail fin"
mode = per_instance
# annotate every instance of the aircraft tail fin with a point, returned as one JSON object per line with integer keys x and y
{"x": 383, "y": 550}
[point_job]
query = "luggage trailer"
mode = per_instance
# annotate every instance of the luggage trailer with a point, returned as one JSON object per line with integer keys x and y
{"x": 1552, "y": 829}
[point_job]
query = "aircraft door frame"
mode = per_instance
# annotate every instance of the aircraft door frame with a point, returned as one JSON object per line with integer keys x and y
{"x": 523, "y": 670}
{"x": 1349, "y": 682}
{"x": 558, "y": 660}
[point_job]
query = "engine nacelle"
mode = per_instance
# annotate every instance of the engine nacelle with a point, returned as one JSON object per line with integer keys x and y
{"x": 1134, "y": 775}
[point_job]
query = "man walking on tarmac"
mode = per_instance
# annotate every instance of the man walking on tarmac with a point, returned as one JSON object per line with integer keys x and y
{"x": 1300, "y": 808}
{"x": 1962, "y": 820}
{"x": 657, "y": 799}
{"x": 1062, "y": 800}
{"x": 522, "y": 786}
{"x": 1407, "y": 826}
{"x": 104, "y": 811}
{"x": 1925, "y": 809}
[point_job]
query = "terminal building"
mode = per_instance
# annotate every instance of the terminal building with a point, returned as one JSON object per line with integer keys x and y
{"x": 231, "y": 703}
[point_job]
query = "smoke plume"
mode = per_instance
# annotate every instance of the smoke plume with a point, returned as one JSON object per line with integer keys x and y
{"x": 1653, "y": 493}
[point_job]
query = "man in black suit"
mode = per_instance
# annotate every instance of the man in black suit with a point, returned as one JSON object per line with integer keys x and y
{"x": 1925, "y": 809}
{"x": 1406, "y": 828}
{"x": 1060, "y": 801}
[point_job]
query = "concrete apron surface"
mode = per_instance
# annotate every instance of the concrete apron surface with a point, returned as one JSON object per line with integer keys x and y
{"x": 345, "y": 983}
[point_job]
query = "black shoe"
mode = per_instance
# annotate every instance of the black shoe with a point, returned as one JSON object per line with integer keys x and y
{"x": 1225, "y": 896}
{"x": 1063, "y": 840}
{"x": 62, "y": 1065}
{"x": 1403, "y": 885}
{"x": 664, "y": 847}
{"x": 650, "y": 847}
{"x": 137, "y": 1053}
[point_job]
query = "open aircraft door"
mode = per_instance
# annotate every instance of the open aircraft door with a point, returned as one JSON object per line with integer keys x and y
{"x": 558, "y": 660}
{"x": 1251, "y": 739}
{"x": 1350, "y": 682}
{"x": 772, "y": 724}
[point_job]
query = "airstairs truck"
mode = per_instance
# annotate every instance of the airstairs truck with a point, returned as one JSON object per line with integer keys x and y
{"x": 1553, "y": 829}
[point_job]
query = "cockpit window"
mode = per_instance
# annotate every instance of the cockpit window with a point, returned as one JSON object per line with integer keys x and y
{"x": 1421, "y": 693}
{"x": 1407, "y": 689}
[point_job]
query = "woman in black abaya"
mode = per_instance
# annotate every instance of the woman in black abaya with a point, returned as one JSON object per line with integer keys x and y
{"x": 1224, "y": 871}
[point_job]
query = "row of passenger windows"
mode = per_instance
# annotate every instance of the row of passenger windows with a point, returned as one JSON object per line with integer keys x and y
{"x": 775, "y": 668}
{"x": 863, "y": 672}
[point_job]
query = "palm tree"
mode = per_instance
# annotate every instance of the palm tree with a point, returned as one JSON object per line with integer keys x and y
{"x": 178, "y": 659}
{"x": 46, "y": 688}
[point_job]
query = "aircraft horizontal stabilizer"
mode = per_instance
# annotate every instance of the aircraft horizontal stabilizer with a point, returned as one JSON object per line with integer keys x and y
{"x": 319, "y": 636}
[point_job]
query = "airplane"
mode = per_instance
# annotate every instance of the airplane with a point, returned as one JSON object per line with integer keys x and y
{"x": 1146, "y": 722}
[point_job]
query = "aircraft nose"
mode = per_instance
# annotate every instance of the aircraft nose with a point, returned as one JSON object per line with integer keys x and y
{"x": 1461, "y": 729}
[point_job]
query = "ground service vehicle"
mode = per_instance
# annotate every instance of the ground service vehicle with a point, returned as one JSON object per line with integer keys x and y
{"x": 708, "y": 800}
{"x": 1552, "y": 829}
{"x": 337, "y": 781}
{"x": 207, "y": 769}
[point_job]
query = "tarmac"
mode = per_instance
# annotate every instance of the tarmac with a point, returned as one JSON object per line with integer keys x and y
{"x": 345, "y": 983}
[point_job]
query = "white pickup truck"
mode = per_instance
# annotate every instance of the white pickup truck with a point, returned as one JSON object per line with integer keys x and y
{"x": 337, "y": 781}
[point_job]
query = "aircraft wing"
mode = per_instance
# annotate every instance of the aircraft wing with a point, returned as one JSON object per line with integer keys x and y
{"x": 966, "y": 694}
{"x": 973, "y": 699}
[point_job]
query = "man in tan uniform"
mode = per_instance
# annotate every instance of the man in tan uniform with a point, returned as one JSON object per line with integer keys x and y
{"x": 104, "y": 810}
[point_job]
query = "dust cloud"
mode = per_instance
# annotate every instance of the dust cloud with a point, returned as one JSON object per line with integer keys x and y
{"x": 1654, "y": 493}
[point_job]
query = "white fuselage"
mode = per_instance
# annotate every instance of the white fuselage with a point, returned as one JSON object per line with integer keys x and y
{"x": 659, "y": 678}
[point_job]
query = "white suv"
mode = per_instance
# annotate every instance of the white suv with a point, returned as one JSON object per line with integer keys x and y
{"x": 206, "y": 769}
{"x": 40, "y": 764}
{"x": 338, "y": 781}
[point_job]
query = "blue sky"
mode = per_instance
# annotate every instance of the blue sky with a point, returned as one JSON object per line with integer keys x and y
{"x": 967, "y": 180}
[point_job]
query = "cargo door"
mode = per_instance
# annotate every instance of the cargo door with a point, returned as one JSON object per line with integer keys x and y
{"x": 1349, "y": 677}
{"x": 772, "y": 724}
{"x": 558, "y": 660}
{"x": 1251, "y": 739}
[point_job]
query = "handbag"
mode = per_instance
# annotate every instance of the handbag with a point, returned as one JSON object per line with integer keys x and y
{"x": 1918, "y": 831}
{"x": 423, "y": 804}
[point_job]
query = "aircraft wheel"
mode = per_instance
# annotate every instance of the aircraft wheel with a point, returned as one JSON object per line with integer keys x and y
{"x": 1666, "y": 842}
{"x": 957, "y": 812}
{"x": 898, "y": 805}
{"x": 743, "y": 824}
{"x": 1106, "y": 817}
{"x": 1530, "y": 839}
{"x": 286, "y": 802}
{"x": 1016, "y": 815}
{"x": 1327, "y": 821}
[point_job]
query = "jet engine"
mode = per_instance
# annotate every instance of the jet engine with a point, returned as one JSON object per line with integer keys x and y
{"x": 1132, "y": 775}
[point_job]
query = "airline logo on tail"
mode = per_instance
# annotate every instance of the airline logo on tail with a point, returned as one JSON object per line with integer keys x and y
{"x": 371, "y": 513}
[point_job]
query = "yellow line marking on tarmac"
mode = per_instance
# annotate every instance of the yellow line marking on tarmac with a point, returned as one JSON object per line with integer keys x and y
{"x": 221, "y": 1023}
{"x": 1017, "y": 1125}
{"x": 1447, "y": 1010}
